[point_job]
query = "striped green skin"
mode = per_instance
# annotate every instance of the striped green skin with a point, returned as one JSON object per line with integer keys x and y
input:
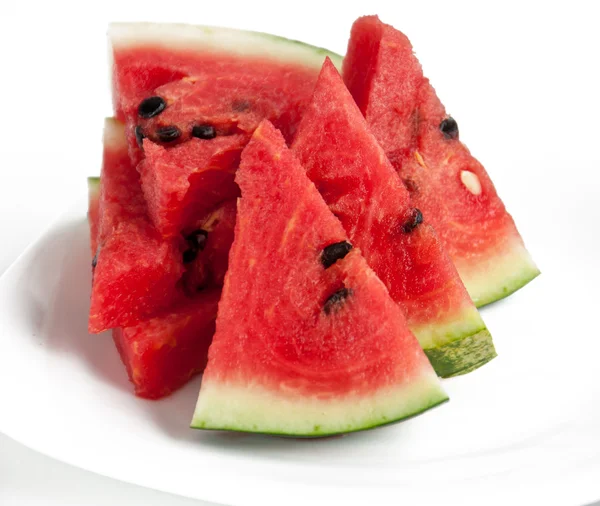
{"x": 249, "y": 408}
{"x": 462, "y": 356}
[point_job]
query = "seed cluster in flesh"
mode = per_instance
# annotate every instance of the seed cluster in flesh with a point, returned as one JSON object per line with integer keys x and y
{"x": 153, "y": 106}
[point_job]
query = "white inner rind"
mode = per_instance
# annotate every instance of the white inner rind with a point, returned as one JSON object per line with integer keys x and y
{"x": 93, "y": 186}
{"x": 500, "y": 275}
{"x": 219, "y": 40}
{"x": 252, "y": 408}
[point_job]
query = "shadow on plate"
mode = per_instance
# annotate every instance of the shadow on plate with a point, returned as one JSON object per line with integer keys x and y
{"x": 56, "y": 298}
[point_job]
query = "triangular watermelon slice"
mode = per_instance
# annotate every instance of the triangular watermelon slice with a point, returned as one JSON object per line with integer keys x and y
{"x": 447, "y": 183}
{"x": 350, "y": 169}
{"x": 308, "y": 341}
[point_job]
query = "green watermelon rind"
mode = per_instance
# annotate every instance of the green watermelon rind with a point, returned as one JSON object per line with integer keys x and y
{"x": 251, "y": 409}
{"x": 456, "y": 346}
{"x": 463, "y": 355}
{"x": 219, "y": 39}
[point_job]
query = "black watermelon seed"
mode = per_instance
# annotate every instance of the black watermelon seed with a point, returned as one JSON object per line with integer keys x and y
{"x": 168, "y": 133}
{"x": 197, "y": 239}
{"x": 411, "y": 186}
{"x": 189, "y": 255}
{"x": 335, "y": 299}
{"x": 196, "y": 242}
{"x": 139, "y": 136}
{"x": 449, "y": 128}
{"x": 204, "y": 132}
{"x": 240, "y": 105}
{"x": 415, "y": 219}
{"x": 334, "y": 252}
{"x": 151, "y": 106}
{"x": 95, "y": 261}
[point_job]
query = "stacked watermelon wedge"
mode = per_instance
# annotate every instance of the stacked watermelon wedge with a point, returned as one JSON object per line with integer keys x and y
{"x": 307, "y": 231}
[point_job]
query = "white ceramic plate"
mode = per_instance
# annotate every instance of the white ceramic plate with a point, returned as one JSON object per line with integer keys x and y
{"x": 524, "y": 428}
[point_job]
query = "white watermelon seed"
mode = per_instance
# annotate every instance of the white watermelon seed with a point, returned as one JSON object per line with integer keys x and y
{"x": 471, "y": 181}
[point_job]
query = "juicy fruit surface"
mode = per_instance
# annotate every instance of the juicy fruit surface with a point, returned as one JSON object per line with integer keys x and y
{"x": 422, "y": 142}
{"x": 136, "y": 271}
{"x": 302, "y": 349}
{"x": 184, "y": 182}
{"x": 143, "y": 60}
{"x": 161, "y": 354}
{"x": 231, "y": 103}
{"x": 363, "y": 190}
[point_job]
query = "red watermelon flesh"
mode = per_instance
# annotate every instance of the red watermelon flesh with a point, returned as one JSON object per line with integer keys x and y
{"x": 184, "y": 182}
{"x": 215, "y": 231}
{"x": 363, "y": 190}
{"x": 448, "y": 184}
{"x": 304, "y": 346}
{"x": 136, "y": 271}
{"x": 163, "y": 353}
{"x": 146, "y": 56}
{"x": 206, "y": 77}
{"x": 229, "y": 103}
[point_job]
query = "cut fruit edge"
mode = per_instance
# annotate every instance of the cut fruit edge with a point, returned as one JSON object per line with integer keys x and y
{"x": 457, "y": 347}
{"x": 462, "y": 356}
{"x": 219, "y": 40}
{"x": 251, "y": 408}
{"x": 500, "y": 275}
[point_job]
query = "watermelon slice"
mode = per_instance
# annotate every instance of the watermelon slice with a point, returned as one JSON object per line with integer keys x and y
{"x": 173, "y": 83}
{"x": 163, "y": 353}
{"x": 447, "y": 183}
{"x": 363, "y": 190}
{"x": 308, "y": 341}
{"x": 135, "y": 270}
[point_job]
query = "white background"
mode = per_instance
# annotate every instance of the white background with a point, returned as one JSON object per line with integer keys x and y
{"x": 522, "y": 78}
